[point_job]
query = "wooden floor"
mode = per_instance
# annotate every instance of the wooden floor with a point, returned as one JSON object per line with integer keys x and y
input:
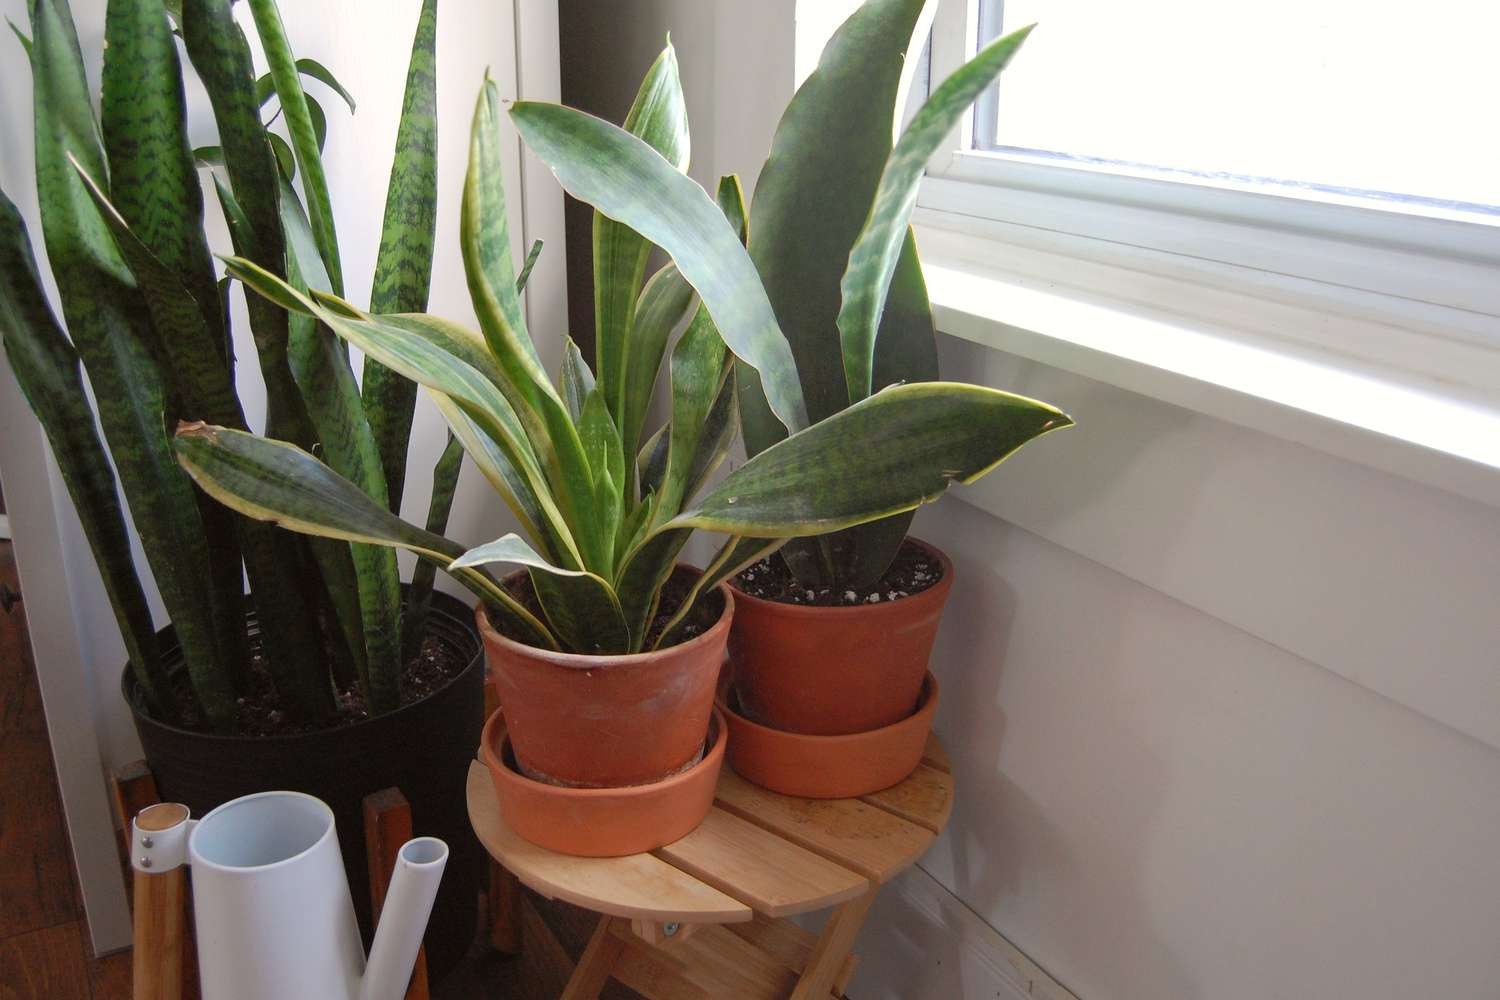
{"x": 44, "y": 950}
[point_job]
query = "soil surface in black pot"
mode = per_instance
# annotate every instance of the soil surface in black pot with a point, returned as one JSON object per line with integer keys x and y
{"x": 913, "y": 572}
{"x": 673, "y": 593}
{"x": 263, "y": 713}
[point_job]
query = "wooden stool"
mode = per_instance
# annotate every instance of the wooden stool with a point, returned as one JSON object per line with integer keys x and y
{"x": 705, "y": 918}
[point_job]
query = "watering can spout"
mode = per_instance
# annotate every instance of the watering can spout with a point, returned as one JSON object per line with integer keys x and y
{"x": 403, "y": 919}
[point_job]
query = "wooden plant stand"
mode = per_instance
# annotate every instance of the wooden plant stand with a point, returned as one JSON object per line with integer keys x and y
{"x": 706, "y": 917}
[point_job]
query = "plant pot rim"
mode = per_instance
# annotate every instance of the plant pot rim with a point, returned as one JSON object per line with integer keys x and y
{"x": 926, "y": 706}
{"x": 129, "y": 689}
{"x": 493, "y": 757}
{"x": 128, "y": 682}
{"x": 605, "y": 661}
{"x": 936, "y": 593}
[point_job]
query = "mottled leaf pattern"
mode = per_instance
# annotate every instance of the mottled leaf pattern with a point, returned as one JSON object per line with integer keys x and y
{"x": 658, "y": 116}
{"x": 46, "y": 366}
{"x": 403, "y": 267}
{"x": 627, "y": 180}
{"x": 111, "y": 331}
{"x": 872, "y": 261}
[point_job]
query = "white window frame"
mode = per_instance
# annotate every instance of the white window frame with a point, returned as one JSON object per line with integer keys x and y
{"x": 1409, "y": 289}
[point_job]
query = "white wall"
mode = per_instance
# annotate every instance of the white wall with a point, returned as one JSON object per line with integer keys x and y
{"x": 734, "y": 61}
{"x": 1223, "y": 709}
{"x": 366, "y": 43}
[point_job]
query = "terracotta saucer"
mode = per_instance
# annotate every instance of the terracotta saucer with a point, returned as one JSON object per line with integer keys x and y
{"x": 829, "y": 767}
{"x": 602, "y": 822}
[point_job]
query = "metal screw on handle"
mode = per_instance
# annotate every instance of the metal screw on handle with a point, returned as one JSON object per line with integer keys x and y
{"x": 670, "y": 929}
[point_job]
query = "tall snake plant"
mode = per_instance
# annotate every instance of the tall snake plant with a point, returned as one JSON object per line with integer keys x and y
{"x": 605, "y": 509}
{"x": 148, "y": 322}
{"x": 829, "y": 235}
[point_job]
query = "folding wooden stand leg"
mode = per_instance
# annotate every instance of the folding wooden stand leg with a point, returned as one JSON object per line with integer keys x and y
{"x": 832, "y": 951}
{"x": 707, "y": 917}
{"x": 160, "y": 900}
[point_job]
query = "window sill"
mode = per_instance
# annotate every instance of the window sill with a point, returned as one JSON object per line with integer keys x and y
{"x": 997, "y": 295}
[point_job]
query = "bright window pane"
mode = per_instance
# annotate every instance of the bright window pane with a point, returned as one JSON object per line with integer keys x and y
{"x": 1368, "y": 95}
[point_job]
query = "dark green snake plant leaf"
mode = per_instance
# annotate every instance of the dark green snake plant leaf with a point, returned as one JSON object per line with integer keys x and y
{"x": 403, "y": 267}
{"x": 441, "y": 371}
{"x": 627, "y": 180}
{"x": 500, "y": 473}
{"x": 221, "y": 56}
{"x": 193, "y": 351}
{"x": 485, "y": 238}
{"x": 46, "y": 367}
{"x": 111, "y": 331}
{"x": 658, "y": 116}
{"x": 222, "y": 59}
{"x": 294, "y": 107}
{"x": 700, "y": 369}
{"x": 532, "y": 256}
{"x": 562, "y": 594}
{"x": 720, "y": 428}
{"x": 890, "y": 452}
{"x": 606, "y": 457}
{"x": 265, "y": 86}
{"x": 906, "y": 351}
{"x": 424, "y": 574}
{"x": 153, "y": 182}
{"x": 20, "y": 37}
{"x": 813, "y": 195}
{"x": 575, "y": 379}
{"x": 333, "y": 404}
{"x": 872, "y": 261}
{"x": 445, "y": 483}
{"x": 284, "y": 597}
{"x": 197, "y": 375}
{"x": 733, "y": 556}
{"x": 646, "y": 566}
{"x": 279, "y": 482}
{"x": 665, "y": 304}
{"x": 444, "y": 486}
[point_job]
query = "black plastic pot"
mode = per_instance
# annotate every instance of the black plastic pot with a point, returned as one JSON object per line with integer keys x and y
{"x": 423, "y": 749}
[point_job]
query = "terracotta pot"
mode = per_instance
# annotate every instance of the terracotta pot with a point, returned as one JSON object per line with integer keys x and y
{"x": 830, "y": 767}
{"x": 602, "y": 822}
{"x": 607, "y": 721}
{"x": 834, "y": 671}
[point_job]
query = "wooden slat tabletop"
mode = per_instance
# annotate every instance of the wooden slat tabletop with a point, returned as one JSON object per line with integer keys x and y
{"x": 863, "y": 837}
{"x": 756, "y": 851}
{"x": 773, "y": 875}
{"x": 636, "y": 886}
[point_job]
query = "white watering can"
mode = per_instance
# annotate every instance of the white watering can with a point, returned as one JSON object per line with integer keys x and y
{"x": 273, "y": 915}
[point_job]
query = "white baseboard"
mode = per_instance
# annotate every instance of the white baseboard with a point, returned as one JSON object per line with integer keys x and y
{"x": 923, "y": 943}
{"x": 4, "y": 527}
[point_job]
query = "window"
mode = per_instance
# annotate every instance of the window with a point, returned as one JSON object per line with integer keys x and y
{"x": 1331, "y": 153}
{"x": 1324, "y": 95}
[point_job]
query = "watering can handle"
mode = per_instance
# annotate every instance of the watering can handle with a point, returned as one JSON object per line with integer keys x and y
{"x": 158, "y": 853}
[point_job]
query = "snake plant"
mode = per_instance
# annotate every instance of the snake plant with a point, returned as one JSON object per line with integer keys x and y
{"x": 605, "y": 508}
{"x": 147, "y": 322}
{"x": 829, "y": 235}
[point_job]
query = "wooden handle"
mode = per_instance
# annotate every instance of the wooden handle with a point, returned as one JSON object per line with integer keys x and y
{"x": 156, "y": 958}
{"x": 387, "y": 827}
